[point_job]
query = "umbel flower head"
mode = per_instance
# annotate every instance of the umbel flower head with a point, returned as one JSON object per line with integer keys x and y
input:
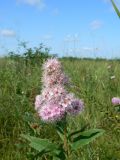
{"x": 55, "y": 102}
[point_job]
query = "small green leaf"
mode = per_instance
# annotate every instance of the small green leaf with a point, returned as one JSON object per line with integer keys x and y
{"x": 56, "y": 158}
{"x": 39, "y": 154}
{"x": 86, "y": 137}
{"x": 77, "y": 132}
{"x": 61, "y": 155}
{"x": 60, "y": 127}
{"x": 115, "y": 7}
{"x": 60, "y": 133}
{"x": 117, "y": 108}
{"x": 41, "y": 144}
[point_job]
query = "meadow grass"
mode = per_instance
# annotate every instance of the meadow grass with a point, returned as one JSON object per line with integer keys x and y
{"x": 91, "y": 80}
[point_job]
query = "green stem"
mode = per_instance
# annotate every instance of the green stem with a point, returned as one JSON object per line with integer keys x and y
{"x": 66, "y": 145}
{"x": 65, "y": 139}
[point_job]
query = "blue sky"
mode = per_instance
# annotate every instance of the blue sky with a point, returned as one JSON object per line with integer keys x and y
{"x": 83, "y": 28}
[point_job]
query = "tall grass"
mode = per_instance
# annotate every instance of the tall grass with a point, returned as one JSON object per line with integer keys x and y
{"x": 90, "y": 79}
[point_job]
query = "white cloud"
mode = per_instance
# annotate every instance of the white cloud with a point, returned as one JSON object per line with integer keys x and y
{"x": 47, "y": 37}
{"x": 90, "y": 49}
{"x": 71, "y": 38}
{"x": 68, "y": 38}
{"x": 87, "y": 49}
{"x": 106, "y": 1}
{"x": 7, "y": 33}
{"x": 110, "y": 6}
{"x": 96, "y": 24}
{"x": 37, "y": 3}
{"x": 55, "y": 12}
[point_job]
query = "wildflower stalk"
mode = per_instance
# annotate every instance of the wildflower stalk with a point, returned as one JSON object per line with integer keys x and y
{"x": 53, "y": 106}
{"x": 66, "y": 144}
{"x": 65, "y": 140}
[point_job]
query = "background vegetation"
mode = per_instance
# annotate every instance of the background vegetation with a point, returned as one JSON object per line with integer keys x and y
{"x": 94, "y": 80}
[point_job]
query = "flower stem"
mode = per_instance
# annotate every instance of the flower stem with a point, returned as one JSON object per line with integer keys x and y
{"x": 66, "y": 145}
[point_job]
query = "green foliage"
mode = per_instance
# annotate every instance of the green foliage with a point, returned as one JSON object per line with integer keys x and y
{"x": 85, "y": 137}
{"x": 41, "y": 145}
{"x": 69, "y": 141}
{"x": 19, "y": 84}
{"x": 31, "y": 56}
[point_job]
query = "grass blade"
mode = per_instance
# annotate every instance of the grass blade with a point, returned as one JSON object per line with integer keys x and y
{"x": 116, "y": 8}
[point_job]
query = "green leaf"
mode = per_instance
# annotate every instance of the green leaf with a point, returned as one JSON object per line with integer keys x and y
{"x": 115, "y": 7}
{"x": 39, "y": 154}
{"x": 117, "y": 108}
{"x": 86, "y": 137}
{"x": 61, "y": 156}
{"x": 60, "y": 127}
{"x": 41, "y": 144}
{"x": 60, "y": 133}
{"x": 56, "y": 158}
{"x": 77, "y": 132}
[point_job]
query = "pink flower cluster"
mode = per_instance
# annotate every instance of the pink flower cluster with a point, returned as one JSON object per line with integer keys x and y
{"x": 51, "y": 112}
{"x": 116, "y": 101}
{"x": 53, "y": 74}
{"x": 55, "y": 102}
